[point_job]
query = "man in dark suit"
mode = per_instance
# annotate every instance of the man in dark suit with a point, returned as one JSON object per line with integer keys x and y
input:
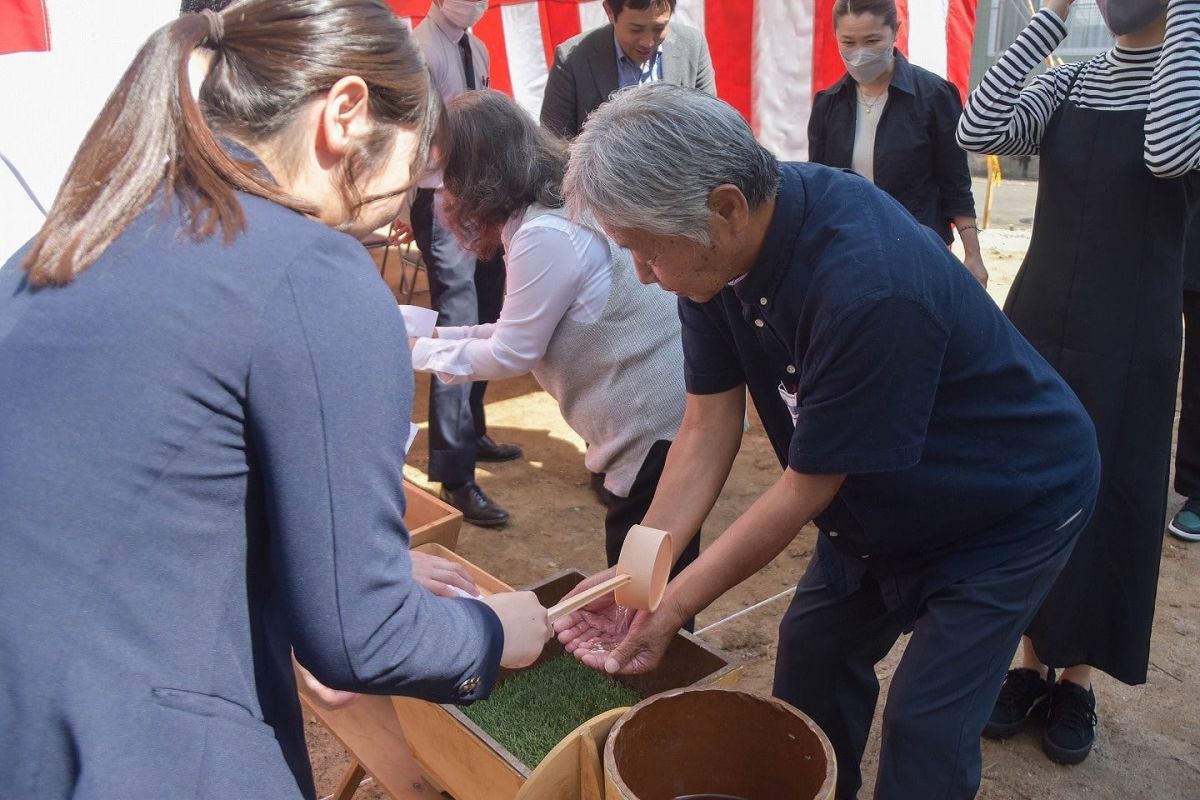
{"x": 639, "y": 45}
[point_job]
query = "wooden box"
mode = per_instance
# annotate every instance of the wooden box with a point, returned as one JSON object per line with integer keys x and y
{"x": 456, "y": 755}
{"x": 429, "y": 519}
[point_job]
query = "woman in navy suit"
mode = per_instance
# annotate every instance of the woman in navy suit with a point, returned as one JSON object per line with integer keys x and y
{"x": 205, "y": 387}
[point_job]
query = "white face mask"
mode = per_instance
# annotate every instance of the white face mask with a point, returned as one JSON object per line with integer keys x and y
{"x": 865, "y": 64}
{"x": 464, "y": 13}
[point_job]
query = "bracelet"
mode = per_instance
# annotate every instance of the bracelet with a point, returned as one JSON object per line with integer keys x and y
{"x": 967, "y": 228}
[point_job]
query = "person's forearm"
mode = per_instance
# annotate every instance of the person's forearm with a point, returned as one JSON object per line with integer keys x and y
{"x": 1003, "y": 116}
{"x": 749, "y": 544}
{"x": 466, "y": 359}
{"x": 697, "y": 465}
{"x": 1172, "y": 145}
{"x": 968, "y": 233}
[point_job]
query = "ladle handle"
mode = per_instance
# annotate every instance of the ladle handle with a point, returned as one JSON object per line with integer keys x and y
{"x": 576, "y": 602}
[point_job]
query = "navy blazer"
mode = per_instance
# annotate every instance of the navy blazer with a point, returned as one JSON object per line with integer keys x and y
{"x": 201, "y": 448}
{"x": 917, "y": 158}
{"x": 584, "y": 74}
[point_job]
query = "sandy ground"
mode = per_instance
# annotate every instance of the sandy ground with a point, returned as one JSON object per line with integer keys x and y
{"x": 1148, "y": 743}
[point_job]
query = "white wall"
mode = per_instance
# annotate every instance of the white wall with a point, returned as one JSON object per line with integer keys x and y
{"x": 50, "y": 99}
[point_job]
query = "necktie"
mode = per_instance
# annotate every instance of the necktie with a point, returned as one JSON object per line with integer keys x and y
{"x": 464, "y": 45}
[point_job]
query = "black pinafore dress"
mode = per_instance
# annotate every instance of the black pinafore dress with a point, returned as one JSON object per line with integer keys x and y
{"x": 1099, "y": 296}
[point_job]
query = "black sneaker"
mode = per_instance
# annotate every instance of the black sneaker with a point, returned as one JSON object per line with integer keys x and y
{"x": 1186, "y": 523}
{"x": 477, "y": 507}
{"x": 1071, "y": 730}
{"x": 1025, "y": 695}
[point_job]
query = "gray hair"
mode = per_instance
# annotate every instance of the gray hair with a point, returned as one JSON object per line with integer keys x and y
{"x": 648, "y": 159}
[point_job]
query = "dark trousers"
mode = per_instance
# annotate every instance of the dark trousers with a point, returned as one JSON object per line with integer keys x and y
{"x": 625, "y": 512}
{"x": 463, "y": 291}
{"x": 1187, "y": 448}
{"x": 943, "y": 691}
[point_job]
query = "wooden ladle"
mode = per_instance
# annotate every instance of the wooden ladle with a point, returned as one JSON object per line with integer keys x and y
{"x": 641, "y": 578}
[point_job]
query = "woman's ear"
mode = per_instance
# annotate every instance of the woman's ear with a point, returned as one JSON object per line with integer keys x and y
{"x": 345, "y": 116}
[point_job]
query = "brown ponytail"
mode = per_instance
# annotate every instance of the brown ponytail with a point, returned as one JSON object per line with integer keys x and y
{"x": 269, "y": 58}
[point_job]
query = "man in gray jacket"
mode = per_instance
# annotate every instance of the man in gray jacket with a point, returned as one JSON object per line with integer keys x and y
{"x": 639, "y": 45}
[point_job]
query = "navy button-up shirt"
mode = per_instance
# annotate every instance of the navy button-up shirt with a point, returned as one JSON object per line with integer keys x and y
{"x": 953, "y": 432}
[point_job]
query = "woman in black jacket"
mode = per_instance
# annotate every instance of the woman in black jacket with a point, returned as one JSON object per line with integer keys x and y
{"x": 894, "y": 123}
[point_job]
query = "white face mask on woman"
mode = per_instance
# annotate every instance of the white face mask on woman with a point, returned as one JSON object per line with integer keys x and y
{"x": 865, "y": 64}
{"x": 1127, "y": 16}
{"x": 464, "y": 13}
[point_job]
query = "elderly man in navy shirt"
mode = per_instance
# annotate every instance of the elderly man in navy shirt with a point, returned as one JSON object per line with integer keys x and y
{"x": 948, "y": 468}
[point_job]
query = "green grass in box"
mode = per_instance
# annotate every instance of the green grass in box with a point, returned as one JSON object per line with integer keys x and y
{"x": 532, "y": 711}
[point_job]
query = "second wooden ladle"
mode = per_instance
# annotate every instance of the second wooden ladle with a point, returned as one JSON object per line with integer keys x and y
{"x": 641, "y": 577}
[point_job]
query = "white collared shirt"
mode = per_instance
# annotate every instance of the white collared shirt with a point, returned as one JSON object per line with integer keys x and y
{"x": 557, "y": 270}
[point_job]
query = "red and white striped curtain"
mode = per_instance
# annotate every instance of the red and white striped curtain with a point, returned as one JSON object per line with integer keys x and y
{"x": 24, "y": 26}
{"x": 770, "y": 56}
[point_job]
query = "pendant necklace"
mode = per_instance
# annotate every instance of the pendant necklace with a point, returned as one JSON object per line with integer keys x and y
{"x": 869, "y": 107}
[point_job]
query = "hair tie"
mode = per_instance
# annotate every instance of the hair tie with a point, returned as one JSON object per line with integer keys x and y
{"x": 216, "y": 27}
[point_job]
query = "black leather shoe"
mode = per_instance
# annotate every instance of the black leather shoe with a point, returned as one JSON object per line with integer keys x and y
{"x": 477, "y": 507}
{"x": 492, "y": 452}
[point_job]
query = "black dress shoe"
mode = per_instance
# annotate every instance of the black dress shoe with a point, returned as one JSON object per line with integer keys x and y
{"x": 487, "y": 450}
{"x": 477, "y": 508}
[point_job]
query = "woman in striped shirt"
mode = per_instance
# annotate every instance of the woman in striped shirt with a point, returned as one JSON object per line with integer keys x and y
{"x": 1099, "y": 295}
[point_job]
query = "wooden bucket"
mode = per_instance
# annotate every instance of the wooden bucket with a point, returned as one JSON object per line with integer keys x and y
{"x": 717, "y": 743}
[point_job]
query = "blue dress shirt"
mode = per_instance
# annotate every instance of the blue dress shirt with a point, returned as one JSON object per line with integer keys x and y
{"x": 631, "y": 74}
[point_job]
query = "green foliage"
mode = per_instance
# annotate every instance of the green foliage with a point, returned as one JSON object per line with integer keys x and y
{"x": 532, "y": 711}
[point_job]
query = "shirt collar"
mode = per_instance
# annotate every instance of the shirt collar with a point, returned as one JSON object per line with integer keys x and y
{"x": 1133, "y": 56}
{"x": 448, "y": 28}
{"x": 512, "y": 226}
{"x": 239, "y": 152}
{"x": 775, "y": 256}
{"x": 621, "y": 57}
{"x": 902, "y": 75}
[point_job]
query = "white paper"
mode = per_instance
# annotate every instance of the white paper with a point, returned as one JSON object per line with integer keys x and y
{"x": 413, "y": 430}
{"x": 461, "y": 592}
{"x": 419, "y": 321}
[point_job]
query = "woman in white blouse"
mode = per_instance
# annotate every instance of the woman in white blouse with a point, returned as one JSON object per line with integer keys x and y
{"x": 605, "y": 347}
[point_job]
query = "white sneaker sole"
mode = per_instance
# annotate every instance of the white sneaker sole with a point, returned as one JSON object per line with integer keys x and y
{"x": 1181, "y": 534}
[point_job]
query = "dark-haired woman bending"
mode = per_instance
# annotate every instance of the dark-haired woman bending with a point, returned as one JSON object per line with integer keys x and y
{"x": 605, "y": 347}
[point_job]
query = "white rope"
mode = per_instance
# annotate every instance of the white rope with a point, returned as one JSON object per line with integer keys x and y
{"x": 744, "y": 611}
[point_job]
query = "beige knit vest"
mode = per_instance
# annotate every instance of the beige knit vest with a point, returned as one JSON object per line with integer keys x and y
{"x": 619, "y": 380}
